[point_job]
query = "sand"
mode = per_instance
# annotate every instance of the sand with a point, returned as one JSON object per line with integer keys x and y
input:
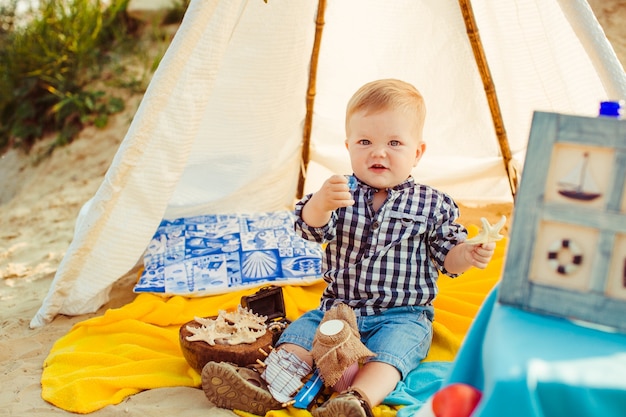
{"x": 39, "y": 202}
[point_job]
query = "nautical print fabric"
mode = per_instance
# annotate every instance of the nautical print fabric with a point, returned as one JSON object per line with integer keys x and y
{"x": 214, "y": 254}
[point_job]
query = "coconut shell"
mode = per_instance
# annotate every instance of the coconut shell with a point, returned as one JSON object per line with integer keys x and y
{"x": 199, "y": 353}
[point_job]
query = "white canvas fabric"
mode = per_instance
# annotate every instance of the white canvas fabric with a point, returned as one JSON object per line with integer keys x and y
{"x": 220, "y": 127}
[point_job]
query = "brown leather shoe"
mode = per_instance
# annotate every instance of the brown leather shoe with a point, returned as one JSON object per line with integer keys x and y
{"x": 347, "y": 404}
{"x": 236, "y": 388}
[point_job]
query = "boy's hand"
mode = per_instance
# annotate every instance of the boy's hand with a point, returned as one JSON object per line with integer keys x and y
{"x": 333, "y": 194}
{"x": 479, "y": 255}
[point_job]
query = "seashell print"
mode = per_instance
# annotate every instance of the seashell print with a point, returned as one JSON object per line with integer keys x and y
{"x": 259, "y": 264}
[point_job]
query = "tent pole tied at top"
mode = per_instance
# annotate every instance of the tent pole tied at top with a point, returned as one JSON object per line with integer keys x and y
{"x": 490, "y": 91}
{"x": 485, "y": 73}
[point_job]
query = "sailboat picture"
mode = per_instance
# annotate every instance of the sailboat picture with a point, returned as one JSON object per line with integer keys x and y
{"x": 578, "y": 183}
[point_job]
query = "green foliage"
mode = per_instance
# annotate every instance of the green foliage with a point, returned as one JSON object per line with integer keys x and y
{"x": 177, "y": 12}
{"x": 47, "y": 64}
{"x": 7, "y": 16}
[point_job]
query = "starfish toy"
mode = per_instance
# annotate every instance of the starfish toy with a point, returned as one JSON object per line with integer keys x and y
{"x": 488, "y": 233}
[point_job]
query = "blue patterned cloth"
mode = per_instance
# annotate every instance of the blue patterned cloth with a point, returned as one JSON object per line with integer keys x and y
{"x": 215, "y": 254}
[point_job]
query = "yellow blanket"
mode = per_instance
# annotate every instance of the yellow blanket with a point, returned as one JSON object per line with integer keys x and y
{"x": 105, "y": 359}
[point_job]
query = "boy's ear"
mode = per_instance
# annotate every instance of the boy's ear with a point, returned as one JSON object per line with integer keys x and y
{"x": 345, "y": 142}
{"x": 421, "y": 148}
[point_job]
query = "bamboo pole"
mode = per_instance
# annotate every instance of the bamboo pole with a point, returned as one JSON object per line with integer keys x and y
{"x": 485, "y": 73}
{"x": 490, "y": 91}
{"x": 310, "y": 98}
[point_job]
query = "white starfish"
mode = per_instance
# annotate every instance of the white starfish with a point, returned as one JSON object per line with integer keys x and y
{"x": 488, "y": 233}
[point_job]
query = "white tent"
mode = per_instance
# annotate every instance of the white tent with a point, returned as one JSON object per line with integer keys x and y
{"x": 222, "y": 125}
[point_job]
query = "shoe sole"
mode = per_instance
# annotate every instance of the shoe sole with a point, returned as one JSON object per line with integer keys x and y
{"x": 342, "y": 407}
{"x": 335, "y": 409}
{"x": 226, "y": 388}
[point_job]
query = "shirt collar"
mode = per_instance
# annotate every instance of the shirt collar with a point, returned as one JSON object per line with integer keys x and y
{"x": 408, "y": 183}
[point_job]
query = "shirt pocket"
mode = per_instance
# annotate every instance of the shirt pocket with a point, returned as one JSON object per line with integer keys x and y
{"x": 405, "y": 225}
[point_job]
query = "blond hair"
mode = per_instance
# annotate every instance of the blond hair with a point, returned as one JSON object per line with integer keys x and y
{"x": 389, "y": 94}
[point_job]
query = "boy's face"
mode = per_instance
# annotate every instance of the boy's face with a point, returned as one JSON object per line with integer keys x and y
{"x": 383, "y": 146}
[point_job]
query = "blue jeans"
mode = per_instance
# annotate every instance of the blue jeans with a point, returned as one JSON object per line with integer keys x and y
{"x": 399, "y": 336}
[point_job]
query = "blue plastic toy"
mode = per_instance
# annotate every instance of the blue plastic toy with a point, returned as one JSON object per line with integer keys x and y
{"x": 309, "y": 391}
{"x": 352, "y": 182}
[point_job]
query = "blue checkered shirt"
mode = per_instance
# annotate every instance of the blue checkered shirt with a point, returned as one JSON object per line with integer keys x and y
{"x": 390, "y": 258}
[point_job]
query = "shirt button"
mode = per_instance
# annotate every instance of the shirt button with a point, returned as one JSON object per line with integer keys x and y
{"x": 375, "y": 225}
